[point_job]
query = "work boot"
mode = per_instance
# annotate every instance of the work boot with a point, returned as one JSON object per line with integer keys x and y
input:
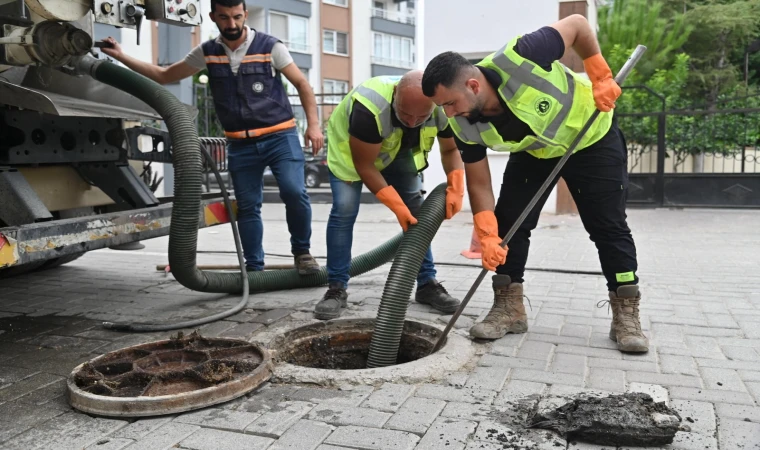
{"x": 434, "y": 294}
{"x": 626, "y": 327}
{"x": 306, "y": 264}
{"x": 507, "y": 314}
{"x": 330, "y": 307}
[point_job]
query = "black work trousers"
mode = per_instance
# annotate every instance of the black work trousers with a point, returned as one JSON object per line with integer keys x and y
{"x": 597, "y": 178}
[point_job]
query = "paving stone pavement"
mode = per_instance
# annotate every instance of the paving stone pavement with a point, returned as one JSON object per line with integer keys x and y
{"x": 700, "y": 309}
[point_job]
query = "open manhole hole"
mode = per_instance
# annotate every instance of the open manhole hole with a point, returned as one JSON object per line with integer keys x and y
{"x": 335, "y": 352}
{"x": 167, "y": 377}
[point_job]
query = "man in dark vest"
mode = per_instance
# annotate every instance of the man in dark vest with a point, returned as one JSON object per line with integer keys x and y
{"x": 244, "y": 67}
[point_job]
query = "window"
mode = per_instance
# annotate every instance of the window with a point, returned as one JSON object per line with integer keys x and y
{"x": 334, "y": 87}
{"x": 335, "y": 42}
{"x": 390, "y": 50}
{"x": 292, "y": 30}
{"x": 343, "y": 3}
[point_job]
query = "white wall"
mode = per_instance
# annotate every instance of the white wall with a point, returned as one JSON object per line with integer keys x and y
{"x": 361, "y": 39}
{"x": 208, "y": 28}
{"x": 315, "y": 42}
{"x": 483, "y": 26}
{"x": 593, "y": 8}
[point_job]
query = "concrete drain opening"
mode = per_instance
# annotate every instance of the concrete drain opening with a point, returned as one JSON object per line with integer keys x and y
{"x": 335, "y": 352}
{"x": 167, "y": 377}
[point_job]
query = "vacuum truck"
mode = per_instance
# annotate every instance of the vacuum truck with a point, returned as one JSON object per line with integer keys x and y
{"x": 76, "y": 154}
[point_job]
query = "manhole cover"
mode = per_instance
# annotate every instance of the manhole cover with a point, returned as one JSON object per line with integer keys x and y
{"x": 336, "y": 352}
{"x": 166, "y": 377}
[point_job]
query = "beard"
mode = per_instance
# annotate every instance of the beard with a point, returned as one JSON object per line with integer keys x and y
{"x": 476, "y": 112}
{"x": 232, "y": 34}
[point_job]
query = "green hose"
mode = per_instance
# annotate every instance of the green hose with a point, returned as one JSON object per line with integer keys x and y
{"x": 391, "y": 315}
{"x": 188, "y": 168}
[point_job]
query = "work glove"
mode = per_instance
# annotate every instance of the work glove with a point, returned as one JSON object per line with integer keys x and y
{"x": 454, "y": 192}
{"x": 390, "y": 198}
{"x": 493, "y": 254}
{"x": 605, "y": 88}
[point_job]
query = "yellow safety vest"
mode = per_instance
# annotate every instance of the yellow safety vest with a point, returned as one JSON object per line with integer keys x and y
{"x": 554, "y": 104}
{"x": 376, "y": 94}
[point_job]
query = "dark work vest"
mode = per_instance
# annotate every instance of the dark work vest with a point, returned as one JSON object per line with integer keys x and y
{"x": 252, "y": 102}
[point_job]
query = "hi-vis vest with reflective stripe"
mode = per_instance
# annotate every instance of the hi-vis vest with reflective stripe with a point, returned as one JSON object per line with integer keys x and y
{"x": 376, "y": 94}
{"x": 252, "y": 102}
{"x": 555, "y": 105}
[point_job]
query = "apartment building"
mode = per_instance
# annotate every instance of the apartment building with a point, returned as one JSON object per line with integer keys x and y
{"x": 339, "y": 43}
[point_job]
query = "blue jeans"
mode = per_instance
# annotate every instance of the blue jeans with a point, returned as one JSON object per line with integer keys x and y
{"x": 402, "y": 175}
{"x": 247, "y": 159}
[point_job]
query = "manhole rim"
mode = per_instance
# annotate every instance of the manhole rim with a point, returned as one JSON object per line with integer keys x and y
{"x": 453, "y": 355}
{"x": 106, "y": 406}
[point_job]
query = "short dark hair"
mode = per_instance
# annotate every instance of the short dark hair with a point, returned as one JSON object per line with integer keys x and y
{"x": 444, "y": 69}
{"x": 226, "y": 3}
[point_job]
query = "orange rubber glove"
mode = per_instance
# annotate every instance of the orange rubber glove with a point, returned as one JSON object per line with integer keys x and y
{"x": 454, "y": 192}
{"x": 493, "y": 254}
{"x": 390, "y": 198}
{"x": 606, "y": 90}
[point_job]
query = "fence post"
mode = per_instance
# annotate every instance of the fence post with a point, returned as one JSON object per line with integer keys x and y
{"x": 661, "y": 153}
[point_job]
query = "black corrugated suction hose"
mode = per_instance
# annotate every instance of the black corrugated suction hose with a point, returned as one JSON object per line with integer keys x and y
{"x": 183, "y": 234}
{"x": 391, "y": 315}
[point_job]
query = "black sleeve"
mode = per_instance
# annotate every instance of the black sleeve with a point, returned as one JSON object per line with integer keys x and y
{"x": 446, "y": 132}
{"x": 543, "y": 46}
{"x": 471, "y": 153}
{"x": 362, "y": 125}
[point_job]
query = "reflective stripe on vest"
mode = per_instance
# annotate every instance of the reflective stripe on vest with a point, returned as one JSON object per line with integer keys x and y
{"x": 385, "y": 158}
{"x": 530, "y": 93}
{"x": 376, "y": 94}
{"x": 521, "y": 75}
{"x": 247, "y": 134}
{"x": 381, "y": 104}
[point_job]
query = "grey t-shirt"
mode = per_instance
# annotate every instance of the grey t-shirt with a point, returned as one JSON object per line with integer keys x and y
{"x": 279, "y": 54}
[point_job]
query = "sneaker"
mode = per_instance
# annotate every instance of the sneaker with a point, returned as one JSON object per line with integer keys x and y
{"x": 434, "y": 294}
{"x": 306, "y": 264}
{"x": 332, "y": 303}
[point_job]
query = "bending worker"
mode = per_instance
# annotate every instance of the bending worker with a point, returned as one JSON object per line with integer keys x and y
{"x": 520, "y": 99}
{"x": 244, "y": 67}
{"x": 380, "y": 135}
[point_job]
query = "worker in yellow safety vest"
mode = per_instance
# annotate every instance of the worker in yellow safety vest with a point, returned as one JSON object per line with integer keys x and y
{"x": 380, "y": 136}
{"x": 521, "y": 99}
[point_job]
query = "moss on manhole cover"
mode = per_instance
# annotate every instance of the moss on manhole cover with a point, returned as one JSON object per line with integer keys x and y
{"x": 167, "y": 377}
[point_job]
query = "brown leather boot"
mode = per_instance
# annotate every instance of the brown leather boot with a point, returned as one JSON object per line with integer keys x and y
{"x": 626, "y": 327}
{"x": 507, "y": 314}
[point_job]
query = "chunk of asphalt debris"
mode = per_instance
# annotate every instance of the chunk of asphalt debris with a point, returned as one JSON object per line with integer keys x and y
{"x": 631, "y": 419}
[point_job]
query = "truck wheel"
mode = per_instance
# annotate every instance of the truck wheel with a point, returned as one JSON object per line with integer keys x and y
{"x": 312, "y": 180}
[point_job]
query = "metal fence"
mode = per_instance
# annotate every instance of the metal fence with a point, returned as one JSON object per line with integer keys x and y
{"x": 675, "y": 154}
{"x": 698, "y": 156}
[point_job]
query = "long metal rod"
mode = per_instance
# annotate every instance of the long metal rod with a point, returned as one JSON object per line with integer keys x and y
{"x": 621, "y": 76}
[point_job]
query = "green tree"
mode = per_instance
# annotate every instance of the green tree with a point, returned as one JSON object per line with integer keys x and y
{"x": 627, "y": 23}
{"x": 726, "y": 28}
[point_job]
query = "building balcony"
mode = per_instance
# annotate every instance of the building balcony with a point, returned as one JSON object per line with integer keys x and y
{"x": 393, "y": 22}
{"x": 397, "y": 63}
{"x": 394, "y": 16}
{"x": 298, "y": 47}
{"x": 385, "y": 66}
